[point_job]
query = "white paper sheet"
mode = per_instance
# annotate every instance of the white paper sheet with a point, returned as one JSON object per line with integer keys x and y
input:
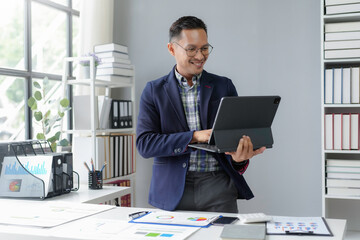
{"x": 46, "y": 214}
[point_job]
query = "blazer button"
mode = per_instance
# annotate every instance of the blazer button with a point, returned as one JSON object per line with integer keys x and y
{"x": 184, "y": 165}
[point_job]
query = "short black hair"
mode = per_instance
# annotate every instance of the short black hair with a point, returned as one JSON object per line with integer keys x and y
{"x": 186, "y": 22}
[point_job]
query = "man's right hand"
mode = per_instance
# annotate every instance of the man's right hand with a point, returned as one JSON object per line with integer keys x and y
{"x": 201, "y": 136}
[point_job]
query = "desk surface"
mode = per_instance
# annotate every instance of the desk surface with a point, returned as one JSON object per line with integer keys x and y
{"x": 337, "y": 226}
{"x": 85, "y": 195}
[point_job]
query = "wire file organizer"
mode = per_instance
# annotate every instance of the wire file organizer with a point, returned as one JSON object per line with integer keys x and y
{"x": 29, "y": 169}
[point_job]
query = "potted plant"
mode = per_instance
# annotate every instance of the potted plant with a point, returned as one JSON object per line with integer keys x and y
{"x": 46, "y": 114}
{"x": 86, "y": 64}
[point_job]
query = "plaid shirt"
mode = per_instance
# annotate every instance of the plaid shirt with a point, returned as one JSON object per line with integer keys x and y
{"x": 200, "y": 160}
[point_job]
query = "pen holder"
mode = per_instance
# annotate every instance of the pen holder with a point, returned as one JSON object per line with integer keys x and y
{"x": 95, "y": 180}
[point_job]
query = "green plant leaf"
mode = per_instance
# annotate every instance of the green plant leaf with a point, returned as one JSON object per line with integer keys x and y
{"x": 57, "y": 135}
{"x": 38, "y": 95}
{"x": 32, "y": 103}
{"x": 38, "y": 116}
{"x": 36, "y": 85}
{"x": 53, "y": 146}
{"x": 63, "y": 142}
{"x": 48, "y": 129}
{"x": 40, "y": 136}
{"x": 52, "y": 139}
{"x": 64, "y": 102}
{"x": 46, "y": 122}
{"x": 47, "y": 114}
{"x": 61, "y": 114}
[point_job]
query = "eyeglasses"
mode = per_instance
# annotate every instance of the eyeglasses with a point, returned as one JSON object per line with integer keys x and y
{"x": 192, "y": 51}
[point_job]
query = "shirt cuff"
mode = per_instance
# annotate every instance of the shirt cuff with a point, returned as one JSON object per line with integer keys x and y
{"x": 240, "y": 167}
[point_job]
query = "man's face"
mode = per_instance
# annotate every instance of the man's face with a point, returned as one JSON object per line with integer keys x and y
{"x": 189, "y": 39}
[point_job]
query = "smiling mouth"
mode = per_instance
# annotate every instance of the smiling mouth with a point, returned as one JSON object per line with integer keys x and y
{"x": 198, "y": 64}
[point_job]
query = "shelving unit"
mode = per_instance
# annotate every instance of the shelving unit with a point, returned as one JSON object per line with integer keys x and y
{"x": 338, "y": 206}
{"x": 94, "y": 132}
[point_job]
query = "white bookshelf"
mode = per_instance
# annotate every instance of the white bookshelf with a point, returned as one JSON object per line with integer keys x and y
{"x": 94, "y": 132}
{"x": 338, "y": 206}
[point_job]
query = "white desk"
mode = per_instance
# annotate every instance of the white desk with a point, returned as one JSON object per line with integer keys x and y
{"x": 337, "y": 226}
{"x": 96, "y": 196}
{"x": 85, "y": 195}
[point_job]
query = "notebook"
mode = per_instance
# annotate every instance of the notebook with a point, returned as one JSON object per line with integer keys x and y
{"x": 243, "y": 232}
{"x": 237, "y": 116}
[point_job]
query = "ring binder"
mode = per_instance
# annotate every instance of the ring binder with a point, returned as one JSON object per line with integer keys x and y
{"x": 30, "y": 169}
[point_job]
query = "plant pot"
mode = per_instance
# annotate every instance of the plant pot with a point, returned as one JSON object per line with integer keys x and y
{"x": 85, "y": 72}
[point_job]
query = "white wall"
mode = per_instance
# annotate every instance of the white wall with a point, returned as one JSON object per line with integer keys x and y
{"x": 265, "y": 47}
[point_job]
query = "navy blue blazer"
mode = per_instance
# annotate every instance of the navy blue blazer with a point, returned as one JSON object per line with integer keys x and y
{"x": 163, "y": 133}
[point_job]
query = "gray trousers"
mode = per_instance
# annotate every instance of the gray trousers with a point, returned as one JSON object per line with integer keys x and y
{"x": 209, "y": 191}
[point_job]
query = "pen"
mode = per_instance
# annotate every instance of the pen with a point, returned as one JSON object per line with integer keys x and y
{"x": 299, "y": 232}
{"x": 103, "y": 167}
{"x": 87, "y": 166}
{"x": 92, "y": 165}
{"x": 138, "y": 214}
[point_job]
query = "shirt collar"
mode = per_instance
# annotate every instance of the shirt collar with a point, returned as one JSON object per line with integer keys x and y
{"x": 183, "y": 82}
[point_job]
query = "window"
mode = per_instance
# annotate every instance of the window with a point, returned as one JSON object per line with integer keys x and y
{"x": 35, "y": 36}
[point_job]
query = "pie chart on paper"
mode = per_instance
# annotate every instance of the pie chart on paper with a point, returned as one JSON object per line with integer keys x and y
{"x": 197, "y": 219}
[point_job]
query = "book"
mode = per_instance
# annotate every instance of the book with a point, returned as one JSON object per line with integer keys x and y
{"x": 343, "y": 162}
{"x": 339, "y": 36}
{"x": 337, "y": 131}
{"x": 346, "y": 86}
{"x": 110, "y": 47}
{"x": 330, "y": 182}
{"x": 346, "y": 44}
{"x": 329, "y": 126}
{"x": 355, "y": 85}
{"x": 116, "y": 155}
{"x": 342, "y": 27}
{"x": 82, "y": 109}
{"x": 112, "y": 55}
{"x": 115, "y": 65}
{"x": 346, "y": 131}
{"x": 338, "y": 2}
{"x": 105, "y": 114}
{"x": 333, "y": 169}
{"x": 354, "y": 131}
{"x": 343, "y": 191}
{"x": 115, "y": 71}
{"x": 345, "y": 8}
{"x": 342, "y": 53}
{"x": 243, "y": 232}
{"x": 337, "y": 87}
{"x": 115, "y": 78}
{"x": 343, "y": 175}
{"x": 329, "y": 81}
{"x": 115, "y": 60}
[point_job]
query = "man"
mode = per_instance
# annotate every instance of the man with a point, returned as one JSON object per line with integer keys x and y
{"x": 179, "y": 109}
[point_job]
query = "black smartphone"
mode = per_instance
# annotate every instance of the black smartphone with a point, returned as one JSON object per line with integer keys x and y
{"x": 225, "y": 220}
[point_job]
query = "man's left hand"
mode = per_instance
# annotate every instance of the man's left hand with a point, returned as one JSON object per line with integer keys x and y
{"x": 245, "y": 150}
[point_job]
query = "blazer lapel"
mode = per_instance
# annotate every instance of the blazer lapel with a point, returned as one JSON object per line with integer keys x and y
{"x": 172, "y": 91}
{"x": 206, "y": 88}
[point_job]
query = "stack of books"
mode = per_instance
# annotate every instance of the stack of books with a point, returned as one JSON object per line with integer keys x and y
{"x": 342, "y": 40}
{"x": 341, "y": 6}
{"x": 115, "y": 65}
{"x": 342, "y": 85}
{"x": 343, "y": 177}
{"x": 342, "y": 131}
